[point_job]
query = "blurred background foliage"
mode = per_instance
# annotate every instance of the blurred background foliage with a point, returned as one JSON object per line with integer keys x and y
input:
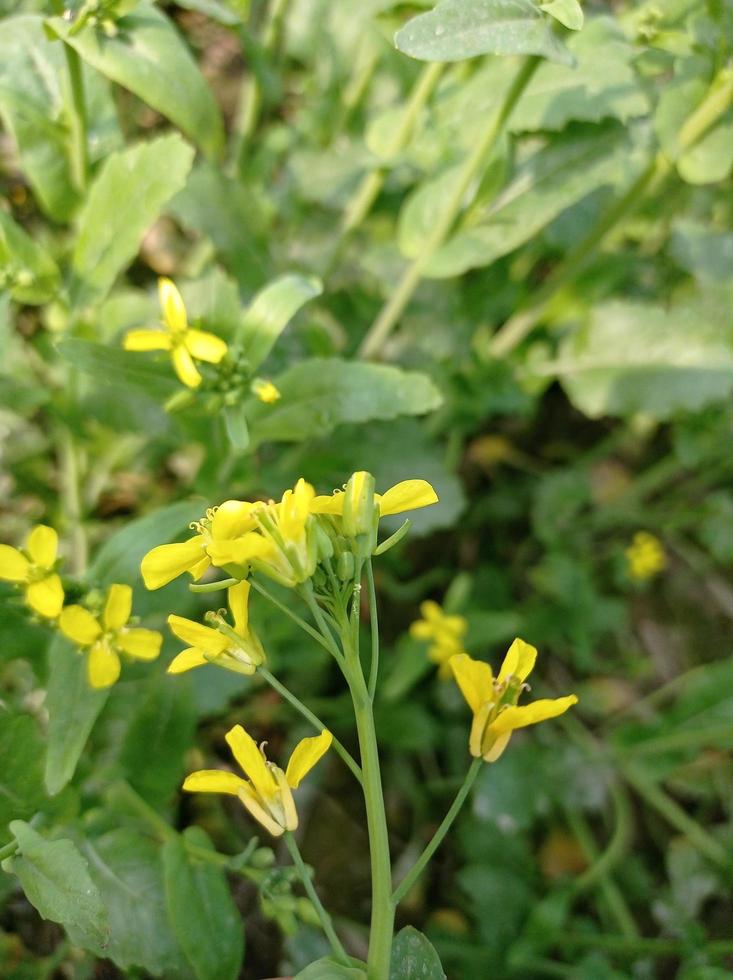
{"x": 542, "y": 329}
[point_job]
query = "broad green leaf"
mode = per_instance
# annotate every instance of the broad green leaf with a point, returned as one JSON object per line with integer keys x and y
{"x": 677, "y": 101}
{"x": 55, "y": 878}
{"x": 26, "y": 269}
{"x": 319, "y": 394}
{"x": 148, "y": 57}
{"x": 121, "y": 367}
{"x": 21, "y": 775}
{"x": 237, "y": 429}
{"x": 270, "y": 312}
{"x": 705, "y": 252}
{"x": 202, "y": 914}
{"x": 710, "y": 159}
{"x": 458, "y": 29}
{"x": 109, "y": 234}
{"x": 414, "y": 958}
{"x": 329, "y": 969}
{"x": 568, "y": 12}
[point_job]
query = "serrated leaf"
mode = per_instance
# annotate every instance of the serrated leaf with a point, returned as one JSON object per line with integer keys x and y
{"x": 121, "y": 367}
{"x": 148, "y": 57}
{"x": 202, "y": 914}
{"x": 55, "y": 878}
{"x": 270, "y": 312}
{"x": 319, "y": 394}
{"x": 414, "y": 958}
{"x": 569, "y": 13}
{"x": 458, "y": 29}
{"x": 109, "y": 235}
{"x": 30, "y": 273}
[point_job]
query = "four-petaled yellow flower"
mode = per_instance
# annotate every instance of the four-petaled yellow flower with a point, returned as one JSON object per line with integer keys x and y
{"x": 267, "y": 790}
{"x": 443, "y": 632}
{"x": 645, "y": 556}
{"x": 265, "y": 391}
{"x": 108, "y": 636}
{"x": 184, "y": 342}
{"x": 237, "y": 649}
{"x": 285, "y": 525}
{"x": 33, "y": 568}
{"x": 407, "y": 495}
{"x": 493, "y": 701}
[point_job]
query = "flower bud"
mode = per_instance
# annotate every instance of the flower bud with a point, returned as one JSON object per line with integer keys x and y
{"x": 361, "y": 513}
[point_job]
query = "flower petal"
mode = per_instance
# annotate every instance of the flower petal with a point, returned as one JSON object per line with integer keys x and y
{"x": 186, "y": 370}
{"x": 512, "y": 718}
{"x": 118, "y": 607}
{"x": 14, "y": 566}
{"x": 205, "y": 346}
{"x": 197, "y": 635}
{"x": 238, "y": 597}
{"x": 519, "y": 661}
{"x": 172, "y": 305}
{"x": 187, "y": 660}
{"x": 238, "y": 551}
{"x": 475, "y": 680}
{"x": 46, "y": 597}
{"x": 139, "y": 643}
{"x": 328, "y": 504}
{"x": 79, "y": 625}
{"x": 251, "y": 760}
{"x": 103, "y": 666}
{"x": 42, "y": 546}
{"x": 147, "y": 340}
{"x": 408, "y": 495}
{"x": 214, "y": 781}
{"x": 232, "y": 519}
{"x": 305, "y": 755}
{"x": 250, "y": 800}
{"x": 168, "y": 561}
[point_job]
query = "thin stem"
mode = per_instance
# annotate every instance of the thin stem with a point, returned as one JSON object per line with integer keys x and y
{"x": 325, "y": 636}
{"x": 311, "y": 717}
{"x": 324, "y": 917}
{"x": 419, "y": 866}
{"x": 79, "y": 145}
{"x": 9, "y": 850}
{"x": 374, "y": 630}
{"x": 686, "y": 738}
{"x": 306, "y": 627}
{"x": 71, "y": 500}
{"x": 654, "y": 945}
{"x": 617, "y": 846}
{"x": 223, "y": 583}
{"x": 472, "y": 166}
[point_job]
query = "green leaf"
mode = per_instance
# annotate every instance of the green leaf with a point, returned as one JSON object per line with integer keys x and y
{"x": 121, "y": 367}
{"x": 21, "y": 777}
{"x": 148, "y": 57}
{"x": 458, "y": 29}
{"x": 328, "y": 969}
{"x": 703, "y": 251}
{"x": 109, "y": 234}
{"x": 711, "y": 158}
{"x": 568, "y": 12}
{"x": 202, "y": 914}
{"x": 319, "y": 394}
{"x": 56, "y": 881}
{"x": 235, "y": 422}
{"x": 27, "y": 269}
{"x": 414, "y": 958}
{"x": 270, "y": 312}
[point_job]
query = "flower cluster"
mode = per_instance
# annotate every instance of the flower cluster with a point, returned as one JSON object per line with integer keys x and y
{"x": 645, "y": 556}
{"x": 33, "y": 568}
{"x": 444, "y": 633}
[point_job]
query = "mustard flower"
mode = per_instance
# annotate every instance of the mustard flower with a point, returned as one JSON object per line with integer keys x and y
{"x": 443, "y": 632}
{"x": 237, "y": 649}
{"x": 267, "y": 790}
{"x": 184, "y": 343}
{"x": 493, "y": 701}
{"x": 265, "y": 391}
{"x": 108, "y": 636}
{"x": 33, "y": 569}
{"x": 288, "y": 528}
{"x": 407, "y": 495}
{"x": 645, "y": 556}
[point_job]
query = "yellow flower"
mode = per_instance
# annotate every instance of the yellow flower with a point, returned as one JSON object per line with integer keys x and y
{"x": 267, "y": 790}
{"x": 645, "y": 556}
{"x": 32, "y": 568}
{"x": 237, "y": 649}
{"x": 108, "y": 636}
{"x": 494, "y": 701}
{"x": 289, "y": 530}
{"x": 182, "y": 341}
{"x": 408, "y": 495}
{"x": 225, "y": 536}
{"x": 265, "y": 391}
{"x": 444, "y": 633}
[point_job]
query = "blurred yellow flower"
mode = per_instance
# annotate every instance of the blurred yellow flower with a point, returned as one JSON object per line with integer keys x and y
{"x": 443, "y": 632}
{"x": 645, "y": 556}
{"x": 493, "y": 701}
{"x": 184, "y": 343}
{"x": 108, "y": 636}
{"x": 407, "y": 495}
{"x": 237, "y": 649}
{"x": 32, "y": 568}
{"x": 265, "y": 391}
{"x": 267, "y": 790}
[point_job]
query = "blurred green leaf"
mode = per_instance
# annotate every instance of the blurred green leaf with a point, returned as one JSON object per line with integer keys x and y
{"x": 328, "y": 969}
{"x": 711, "y": 158}
{"x": 413, "y": 957}
{"x": 270, "y": 312}
{"x": 21, "y": 777}
{"x": 121, "y": 367}
{"x": 568, "y": 12}
{"x": 27, "y": 269}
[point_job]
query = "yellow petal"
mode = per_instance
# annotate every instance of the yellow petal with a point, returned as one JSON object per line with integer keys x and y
{"x": 139, "y": 643}
{"x": 475, "y": 680}
{"x": 305, "y": 755}
{"x": 187, "y": 660}
{"x": 286, "y": 801}
{"x": 519, "y": 661}
{"x": 46, "y": 597}
{"x": 512, "y": 718}
{"x": 408, "y": 495}
{"x": 79, "y": 625}
{"x": 250, "y": 800}
{"x": 232, "y": 519}
{"x": 185, "y": 368}
{"x": 251, "y": 760}
{"x": 205, "y": 346}
{"x": 238, "y": 596}
{"x": 118, "y": 607}
{"x": 103, "y": 666}
{"x": 496, "y": 749}
{"x": 238, "y": 551}
{"x": 168, "y": 561}
{"x": 42, "y": 546}
{"x": 198, "y": 635}
{"x": 478, "y": 729}
{"x": 147, "y": 340}
{"x": 214, "y": 781}
{"x": 265, "y": 391}
{"x": 171, "y": 303}
{"x": 331, "y": 504}
{"x": 14, "y": 566}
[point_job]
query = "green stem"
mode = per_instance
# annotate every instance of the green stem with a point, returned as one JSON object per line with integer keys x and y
{"x": 472, "y": 166}
{"x": 9, "y": 850}
{"x": 324, "y": 917}
{"x": 306, "y": 627}
{"x": 618, "y": 845}
{"x": 79, "y": 145}
{"x": 71, "y": 500}
{"x": 373, "y": 629}
{"x": 311, "y": 717}
{"x": 325, "y": 636}
{"x": 223, "y": 583}
{"x": 656, "y": 945}
{"x": 419, "y": 866}
{"x": 683, "y": 739}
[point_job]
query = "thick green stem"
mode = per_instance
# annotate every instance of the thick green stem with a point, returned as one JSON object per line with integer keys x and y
{"x": 419, "y": 866}
{"x": 323, "y": 916}
{"x": 374, "y": 630}
{"x": 71, "y": 500}
{"x": 472, "y": 167}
